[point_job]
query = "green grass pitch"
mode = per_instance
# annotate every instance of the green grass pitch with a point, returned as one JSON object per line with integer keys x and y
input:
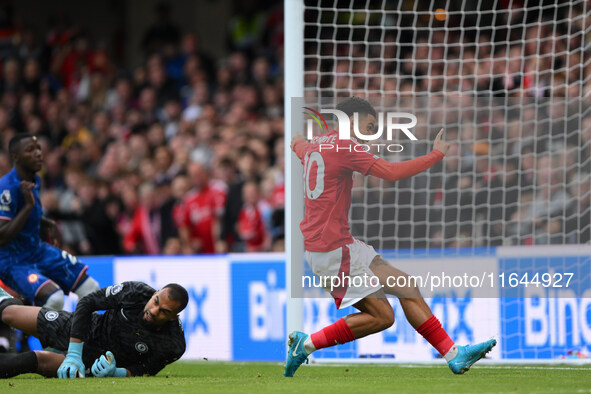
{"x": 217, "y": 377}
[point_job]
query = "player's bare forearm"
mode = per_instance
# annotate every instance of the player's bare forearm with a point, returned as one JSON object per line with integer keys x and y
{"x": 10, "y": 228}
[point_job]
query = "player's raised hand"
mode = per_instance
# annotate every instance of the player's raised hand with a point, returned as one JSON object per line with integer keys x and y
{"x": 27, "y": 190}
{"x": 439, "y": 144}
{"x": 297, "y": 138}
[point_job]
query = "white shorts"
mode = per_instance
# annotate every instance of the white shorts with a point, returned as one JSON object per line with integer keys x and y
{"x": 345, "y": 272}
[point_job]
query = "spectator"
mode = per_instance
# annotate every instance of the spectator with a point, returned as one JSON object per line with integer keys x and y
{"x": 164, "y": 87}
{"x": 173, "y": 215}
{"x": 171, "y": 117}
{"x": 144, "y": 230}
{"x": 229, "y": 238}
{"x": 121, "y": 93}
{"x": 32, "y": 77}
{"x": 163, "y": 32}
{"x": 68, "y": 211}
{"x": 452, "y": 198}
{"x": 145, "y": 125}
{"x": 199, "y": 98}
{"x": 10, "y": 82}
{"x": 578, "y": 220}
{"x": 99, "y": 219}
{"x": 251, "y": 226}
{"x": 246, "y": 28}
{"x": 543, "y": 216}
{"x": 199, "y": 223}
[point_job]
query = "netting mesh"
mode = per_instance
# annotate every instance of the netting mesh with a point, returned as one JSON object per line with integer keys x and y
{"x": 508, "y": 80}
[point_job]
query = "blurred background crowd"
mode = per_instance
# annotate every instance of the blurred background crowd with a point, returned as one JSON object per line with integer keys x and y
{"x": 182, "y": 152}
{"x": 510, "y": 87}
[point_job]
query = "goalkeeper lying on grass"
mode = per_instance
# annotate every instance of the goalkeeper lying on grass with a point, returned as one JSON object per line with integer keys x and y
{"x": 139, "y": 333}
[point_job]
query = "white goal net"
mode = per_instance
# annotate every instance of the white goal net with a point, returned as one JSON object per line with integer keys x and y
{"x": 509, "y": 82}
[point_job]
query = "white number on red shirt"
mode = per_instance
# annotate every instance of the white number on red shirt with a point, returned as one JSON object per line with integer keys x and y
{"x": 315, "y": 157}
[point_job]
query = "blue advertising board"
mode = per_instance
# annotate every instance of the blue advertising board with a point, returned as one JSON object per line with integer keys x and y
{"x": 237, "y": 308}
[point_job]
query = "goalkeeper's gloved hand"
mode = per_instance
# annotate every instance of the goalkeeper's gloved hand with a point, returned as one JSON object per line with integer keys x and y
{"x": 72, "y": 367}
{"x": 106, "y": 365}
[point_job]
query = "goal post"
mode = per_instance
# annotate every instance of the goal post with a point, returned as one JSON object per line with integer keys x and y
{"x": 294, "y": 193}
{"x": 510, "y": 82}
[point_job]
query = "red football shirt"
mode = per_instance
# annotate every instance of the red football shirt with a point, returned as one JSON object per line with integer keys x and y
{"x": 199, "y": 215}
{"x": 328, "y": 180}
{"x": 251, "y": 228}
{"x": 219, "y": 192}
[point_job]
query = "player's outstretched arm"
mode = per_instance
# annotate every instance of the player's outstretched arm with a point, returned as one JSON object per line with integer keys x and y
{"x": 298, "y": 145}
{"x": 405, "y": 169}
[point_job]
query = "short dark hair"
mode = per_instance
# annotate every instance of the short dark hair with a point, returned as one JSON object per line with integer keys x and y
{"x": 177, "y": 293}
{"x": 356, "y": 104}
{"x": 14, "y": 144}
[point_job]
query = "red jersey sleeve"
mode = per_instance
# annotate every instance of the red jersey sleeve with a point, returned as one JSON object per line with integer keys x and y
{"x": 184, "y": 214}
{"x": 354, "y": 158}
{"x": 299, "y": 148}
{"x": 405, "y": 169}
{"x": 131, "y": 238}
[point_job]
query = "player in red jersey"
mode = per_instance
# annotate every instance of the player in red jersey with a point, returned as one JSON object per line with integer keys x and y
{"x": 329, "y": 164}
{"x": 198, "y": 219}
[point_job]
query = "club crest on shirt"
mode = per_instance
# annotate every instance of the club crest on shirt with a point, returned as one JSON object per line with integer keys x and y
{"x": 51, "y": 315}
{"x": 141, "y": 347}
{"x": 5, "y": 197}
{"x": 112, "y": 290}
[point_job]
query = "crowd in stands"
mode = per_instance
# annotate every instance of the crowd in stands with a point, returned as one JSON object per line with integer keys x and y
{"x": 184, "y": 153}
{"x": 180, "y": 155}
{"x": 509, "y": 89}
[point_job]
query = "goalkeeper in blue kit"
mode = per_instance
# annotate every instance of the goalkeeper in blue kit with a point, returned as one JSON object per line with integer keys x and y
{"x": 139, "y": 333}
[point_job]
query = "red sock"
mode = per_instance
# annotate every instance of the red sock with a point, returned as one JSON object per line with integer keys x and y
{"x": 335, "y": 334}
{"x": 432, "y": 331}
